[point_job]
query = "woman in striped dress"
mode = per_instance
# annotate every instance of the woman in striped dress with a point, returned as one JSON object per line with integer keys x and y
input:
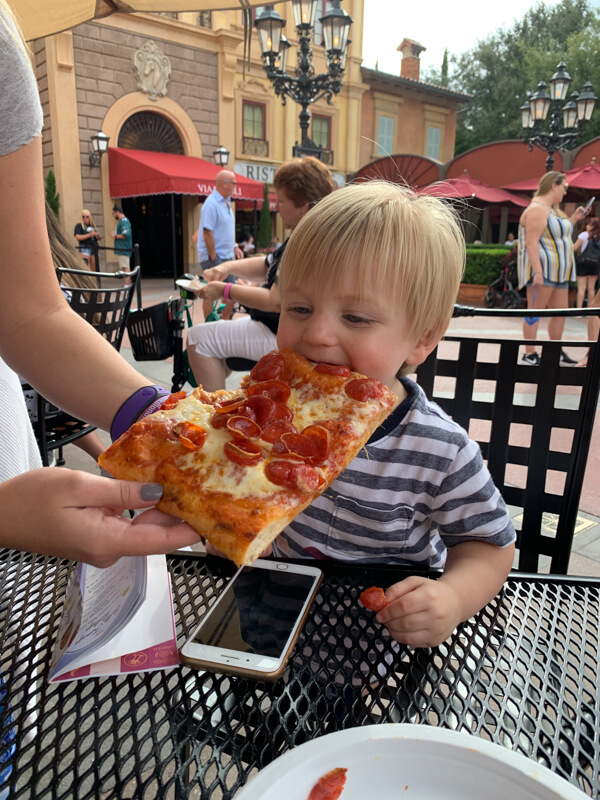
{"x": 546, "y": 261}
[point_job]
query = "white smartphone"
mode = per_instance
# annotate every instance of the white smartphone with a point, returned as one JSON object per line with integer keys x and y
{"x": 588, "y": 205}
{"x": 252, "y": 628}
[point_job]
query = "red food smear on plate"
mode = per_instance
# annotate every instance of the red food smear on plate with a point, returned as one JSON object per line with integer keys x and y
{"x": 330, "y": 786}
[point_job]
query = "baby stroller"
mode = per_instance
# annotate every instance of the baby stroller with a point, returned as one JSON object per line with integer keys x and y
{"x": 504, "y": 288}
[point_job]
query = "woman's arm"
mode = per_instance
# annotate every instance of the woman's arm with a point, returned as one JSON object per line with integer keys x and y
{"x": 258, "y": 297}
{"x": 40, "y": 336}
{"x": 252, "y": 269}
{"x": 535, "y": 222}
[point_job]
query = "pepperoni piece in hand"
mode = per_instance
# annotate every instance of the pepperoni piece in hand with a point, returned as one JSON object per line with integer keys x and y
{"x": 363, "y": 389}
{"x": 274, "y": 430}
{"x": 276, "y": 390}
{"x": 268, "y": 368}
{"x": 190, "y": 435}
{"x": 330, "y": 786}
{"x": 334, "y": 369}
{"x": 172, "y": 400}
{"x": 243, "y": 452}
{"x": 292, "y": 475}
{"x": 373, "y": 599}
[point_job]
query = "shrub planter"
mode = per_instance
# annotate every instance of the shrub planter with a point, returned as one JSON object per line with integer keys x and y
{"x": 472, "y": 294}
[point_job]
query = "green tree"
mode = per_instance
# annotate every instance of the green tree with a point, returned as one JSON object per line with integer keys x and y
{"x": 444, "y": 75}
{"x": 52, "y": 196}
{"x": 264, "y": 224}
{"x": 500, "y": 69}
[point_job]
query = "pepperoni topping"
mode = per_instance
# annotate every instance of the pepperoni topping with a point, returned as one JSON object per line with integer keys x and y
{"x": 190, "y": 435}
{"x": 242, "y": 427}
{"x": 219, "y": 421}
{"x": 291, "y": 475}
{"x": 363, "y": 389}
{"x": 276, "y": 390}
{"x": 282, "y": 413}
{"x": 243, "y": 452}
{"x": 260, "y": 409}
{"x": 227, "y": 406}
{"x": 268, "y": 368}
{"x": 330, "y": 786}
{"x": 373, "y": 598}
{"x": 294, "y": 445}
{"x": 172, "y": 400}
{"x": 319, "y": 438}
{"x": 334, "y": 369}
{"x": 274, "y": 430}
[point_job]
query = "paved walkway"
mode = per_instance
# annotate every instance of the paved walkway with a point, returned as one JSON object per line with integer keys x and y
{"x": 585, "y": 559}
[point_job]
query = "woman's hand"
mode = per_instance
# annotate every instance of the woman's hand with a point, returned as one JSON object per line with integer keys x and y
{"x": 216, "y": 273}
{"x": 538, "y": 279}
{"x": 71, "y": 514}
{"x": 212, "y": 291}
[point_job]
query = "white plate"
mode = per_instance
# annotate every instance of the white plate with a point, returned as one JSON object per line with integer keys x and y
{"x": 417, "y": 762}
{"x": 184, "y": 283}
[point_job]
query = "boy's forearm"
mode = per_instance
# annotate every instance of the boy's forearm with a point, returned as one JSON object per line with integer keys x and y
{"x": 476, "y": 572}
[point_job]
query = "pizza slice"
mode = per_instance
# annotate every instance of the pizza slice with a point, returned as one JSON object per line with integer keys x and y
{"x": 239, "y": 465}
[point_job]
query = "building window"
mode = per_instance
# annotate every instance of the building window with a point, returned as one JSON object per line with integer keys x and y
{"x": 321, "y": 131}
{"x": 322, "y": 7}
{"x": 146, "y": 130}
{"x": 205, "y": 19}
{"x": 385, "y": 136}
{"x": 434, "y": 136}
{"x": 254, "y": 121}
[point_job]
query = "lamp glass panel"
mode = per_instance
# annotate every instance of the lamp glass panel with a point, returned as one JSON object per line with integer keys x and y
{"x": 305, "y": 12}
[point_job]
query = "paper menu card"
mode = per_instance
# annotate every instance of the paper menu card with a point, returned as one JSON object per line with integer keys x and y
{"x": 116, "y": 620}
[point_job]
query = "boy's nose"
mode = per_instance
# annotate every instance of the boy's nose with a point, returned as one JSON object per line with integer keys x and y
{"x": 319, "y": 331}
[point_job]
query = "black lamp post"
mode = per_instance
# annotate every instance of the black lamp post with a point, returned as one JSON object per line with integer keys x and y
{"x": 575, "y": 114}
{"x": 221, "y": 156}
{"x": 306, "y": 87}
{"x": 99, "y": 147}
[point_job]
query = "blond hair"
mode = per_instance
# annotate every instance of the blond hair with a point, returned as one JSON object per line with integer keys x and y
{"x": 410, "y": 246}
{"x": 546, "y": 183}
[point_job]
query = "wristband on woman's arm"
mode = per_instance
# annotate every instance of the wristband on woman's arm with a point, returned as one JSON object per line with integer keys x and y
{"x": 226, "y": 291}
{"x": 141, "y": 403}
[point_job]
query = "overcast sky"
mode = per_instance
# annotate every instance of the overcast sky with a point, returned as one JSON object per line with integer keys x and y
{"x": 436, "y": 24}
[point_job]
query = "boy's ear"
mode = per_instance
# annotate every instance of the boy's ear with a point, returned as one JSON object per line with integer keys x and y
{"x": 422, "y": 349}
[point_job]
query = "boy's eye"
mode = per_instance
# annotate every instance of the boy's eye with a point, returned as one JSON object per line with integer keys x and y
{"x": 355, "y": 319}
{"x": 299, "y": 310}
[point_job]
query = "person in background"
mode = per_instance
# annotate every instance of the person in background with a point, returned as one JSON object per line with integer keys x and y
{"x": 216, "y": 232}
{"x": 299, "y": 185}
{"x": 587, "y": 273}
{"x": 87, "y": 236}
{"x": 546, "y": 263}
{"x": 275, "y": 243}
{"x": 510, "y": 240}
{"x": 58, "y": 512}
{"x": 123, "y": 239}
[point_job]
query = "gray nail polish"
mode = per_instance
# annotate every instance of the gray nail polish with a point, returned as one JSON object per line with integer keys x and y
{"x": 151, "y": 491}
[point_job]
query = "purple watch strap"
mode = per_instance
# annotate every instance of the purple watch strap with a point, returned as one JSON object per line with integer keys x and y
{"x": 141, "y": 403}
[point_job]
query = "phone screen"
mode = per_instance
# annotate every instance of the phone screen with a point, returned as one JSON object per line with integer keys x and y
{"x": 257, "y": 613}
{"x": 588, "y": 205}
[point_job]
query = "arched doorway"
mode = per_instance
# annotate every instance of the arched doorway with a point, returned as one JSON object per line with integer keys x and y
{"x": 156, "y": 220}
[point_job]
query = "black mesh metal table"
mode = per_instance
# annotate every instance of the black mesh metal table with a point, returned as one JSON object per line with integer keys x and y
{"x": 523, "y": 674}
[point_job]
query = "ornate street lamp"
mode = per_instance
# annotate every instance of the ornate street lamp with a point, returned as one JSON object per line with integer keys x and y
{"x": 306, "y": 87}
{"x": 221, "y": 156}
{"x": 99, "y": 147}
{"x": 575, "y": 114}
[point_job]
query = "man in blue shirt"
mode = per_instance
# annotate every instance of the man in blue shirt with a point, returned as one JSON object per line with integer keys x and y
{"x": 123, "y": 238}
{"x": 216, "y": 234}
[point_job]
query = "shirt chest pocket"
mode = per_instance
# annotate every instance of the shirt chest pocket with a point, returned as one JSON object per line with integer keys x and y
{"x": 375, "y": 523}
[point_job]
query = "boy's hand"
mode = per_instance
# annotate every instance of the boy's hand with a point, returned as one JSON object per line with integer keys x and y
{"x": 420, "y": 612}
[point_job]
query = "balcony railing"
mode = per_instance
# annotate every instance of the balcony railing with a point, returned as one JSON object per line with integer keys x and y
{"x": 255, "y": 147}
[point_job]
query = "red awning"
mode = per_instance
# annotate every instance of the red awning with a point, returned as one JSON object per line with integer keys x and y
{"x": 586, "y": 178}
{"x": 468, "y": 188}
{"x": 135, "y": 173}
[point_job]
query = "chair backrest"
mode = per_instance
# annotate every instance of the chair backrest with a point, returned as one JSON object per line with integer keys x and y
{"x": 533, "y": 424}
{"x": 106, "y": 307}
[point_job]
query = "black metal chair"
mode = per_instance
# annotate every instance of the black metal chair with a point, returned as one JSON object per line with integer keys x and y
{"x": 107, "y": 309}
{"x": 479, "y": 382}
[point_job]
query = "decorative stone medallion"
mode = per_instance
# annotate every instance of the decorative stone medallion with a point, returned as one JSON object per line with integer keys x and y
{"x": 153, "y": 70}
